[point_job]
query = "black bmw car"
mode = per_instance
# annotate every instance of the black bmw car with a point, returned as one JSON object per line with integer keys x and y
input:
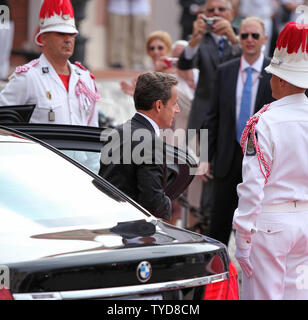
{"x": 67, "y": 234}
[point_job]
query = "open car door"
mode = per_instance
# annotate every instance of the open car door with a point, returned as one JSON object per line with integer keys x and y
{"x": 83, "y": 144}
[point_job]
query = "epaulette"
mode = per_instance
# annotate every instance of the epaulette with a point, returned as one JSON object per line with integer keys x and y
{"x": 249, "y": 140}
{"x": 79, "y": 65}
{"x": 26, "y": 67}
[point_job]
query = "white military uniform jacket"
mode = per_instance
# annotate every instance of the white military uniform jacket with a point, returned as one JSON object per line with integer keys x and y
{"x": 282, "y": 133}
{"x": 272, "y": 217}
{"x": 38, "y": 83}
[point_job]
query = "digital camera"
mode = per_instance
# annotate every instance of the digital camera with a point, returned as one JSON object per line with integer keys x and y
{"x": 171, "y": 62}
{"x": 210, "y": 22}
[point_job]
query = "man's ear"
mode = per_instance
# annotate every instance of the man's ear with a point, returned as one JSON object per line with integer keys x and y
{"x": 43, "y": 38}
{"x": 158, "y": 105}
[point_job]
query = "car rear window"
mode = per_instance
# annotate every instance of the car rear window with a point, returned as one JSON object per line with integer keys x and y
{"x": 40, "y": 186}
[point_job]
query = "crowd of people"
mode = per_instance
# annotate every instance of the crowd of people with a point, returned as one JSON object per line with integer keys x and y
{"x": 223, "y": 71}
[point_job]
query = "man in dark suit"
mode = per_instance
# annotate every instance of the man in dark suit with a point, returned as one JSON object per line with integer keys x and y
{"x": 242, "y": 87}
{"x": 134, "y": 160}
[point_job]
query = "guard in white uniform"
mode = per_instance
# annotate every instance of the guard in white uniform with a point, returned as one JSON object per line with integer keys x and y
{"x": 71, "y": 101}
{"x": 271, "y": 220}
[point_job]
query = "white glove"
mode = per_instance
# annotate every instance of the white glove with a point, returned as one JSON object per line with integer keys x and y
{"x": 242, "y": 254}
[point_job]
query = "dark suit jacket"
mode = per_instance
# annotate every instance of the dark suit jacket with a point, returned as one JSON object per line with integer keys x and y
{"x": 142, "y": 181}
{"x": 221, "y": 117}
{"x": 207, "y": 61}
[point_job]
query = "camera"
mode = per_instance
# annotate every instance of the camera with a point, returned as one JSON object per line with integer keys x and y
{"x": 210, "y": 22}
{"x": 171, "y": 62}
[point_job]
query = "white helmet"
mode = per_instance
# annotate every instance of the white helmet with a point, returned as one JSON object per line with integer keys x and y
{"x": 56, "y": 16}
{"x": 290, "y": 60}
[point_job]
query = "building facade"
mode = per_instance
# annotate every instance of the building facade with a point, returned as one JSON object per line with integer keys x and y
{"x": 24, "y": 13}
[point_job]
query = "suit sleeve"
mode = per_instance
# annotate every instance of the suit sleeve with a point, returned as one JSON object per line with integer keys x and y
{"x": 186, "y": 64}
{"x": 211, "y": 118}
{"x": 16, "y": 91}
{"x": 251, "y": 190}
{"x": 151, "y": 192}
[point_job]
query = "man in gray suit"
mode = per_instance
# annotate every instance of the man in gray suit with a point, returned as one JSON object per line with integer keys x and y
{"x": 210, "y": 45}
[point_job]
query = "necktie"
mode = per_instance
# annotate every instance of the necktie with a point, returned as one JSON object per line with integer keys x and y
{"x": 245, "y": 105}
{"x": 221, "y": 45}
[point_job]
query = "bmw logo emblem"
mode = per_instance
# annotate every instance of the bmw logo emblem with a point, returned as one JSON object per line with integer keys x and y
{"x": 144, "y": 271}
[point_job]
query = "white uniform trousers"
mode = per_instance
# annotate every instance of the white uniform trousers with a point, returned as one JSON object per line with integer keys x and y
{"x": 279, "y": 257}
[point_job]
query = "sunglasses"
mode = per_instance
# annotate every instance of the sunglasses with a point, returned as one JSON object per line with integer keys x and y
{"x": 255, "y": 36}
{"x": 212, "y": 10}
{"x": 160, "y": 48}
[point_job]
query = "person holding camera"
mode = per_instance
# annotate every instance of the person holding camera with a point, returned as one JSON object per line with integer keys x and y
{"x": 214, "y": 41}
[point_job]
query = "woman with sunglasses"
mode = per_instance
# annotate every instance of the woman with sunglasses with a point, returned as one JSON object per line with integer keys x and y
{"x": 158, "y": 48}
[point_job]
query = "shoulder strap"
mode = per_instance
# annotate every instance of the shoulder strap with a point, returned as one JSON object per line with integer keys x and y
{"x": 26, "y": 67}
{"x": 251, "y": 129}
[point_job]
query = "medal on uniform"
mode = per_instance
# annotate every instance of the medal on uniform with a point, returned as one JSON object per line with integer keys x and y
{"x": 51, "y": 115}
{"x": 48, "y": 95}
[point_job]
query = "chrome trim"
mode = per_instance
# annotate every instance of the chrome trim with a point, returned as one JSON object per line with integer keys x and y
{"x": 123, "y": 291}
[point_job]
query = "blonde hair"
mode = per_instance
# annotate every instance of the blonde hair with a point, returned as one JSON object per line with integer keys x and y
{"x": 162, "y": 36}
{"x": 255, "y": 19}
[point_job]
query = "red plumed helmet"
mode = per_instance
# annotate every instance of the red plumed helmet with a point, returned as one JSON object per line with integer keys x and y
{"x": 56, "y": 16}
{"x": 290, "y": 60}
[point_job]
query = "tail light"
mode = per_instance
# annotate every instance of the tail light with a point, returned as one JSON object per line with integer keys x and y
{"x": 5, "y": 294}
{"x": 224, "y": 290}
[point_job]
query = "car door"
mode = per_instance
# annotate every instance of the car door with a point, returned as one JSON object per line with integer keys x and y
{"x": 83, "y": 144}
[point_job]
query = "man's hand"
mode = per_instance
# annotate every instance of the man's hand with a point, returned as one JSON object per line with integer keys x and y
{"x": 199, "y": 29}
{"x": 203, "y": 171}
{"x": 160, "y": 65}
{"x": 223, "y": 27}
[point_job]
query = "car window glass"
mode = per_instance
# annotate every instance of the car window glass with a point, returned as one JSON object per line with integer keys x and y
{"x": 44, "y": 188}
{"x": 90, "y": 160}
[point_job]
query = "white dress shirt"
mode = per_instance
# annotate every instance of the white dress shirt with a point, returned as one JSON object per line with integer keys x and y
{"x": 153, "y": 123}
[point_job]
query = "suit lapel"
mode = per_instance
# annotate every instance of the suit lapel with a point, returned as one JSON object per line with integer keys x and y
{"x": 52, "y": 72}
{"x": 232, "y": 83}
{"x": 261, "y": 87}
{"x": 75, "y": 76}
{"x": 211, "y": 48}
{"x": 142, "y": 121}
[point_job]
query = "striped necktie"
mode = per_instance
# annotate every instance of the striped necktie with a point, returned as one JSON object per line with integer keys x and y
{"x": 221, "y": 46}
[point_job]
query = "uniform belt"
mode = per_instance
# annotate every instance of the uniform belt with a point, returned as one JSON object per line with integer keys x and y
{"x": 292, "y": 206}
